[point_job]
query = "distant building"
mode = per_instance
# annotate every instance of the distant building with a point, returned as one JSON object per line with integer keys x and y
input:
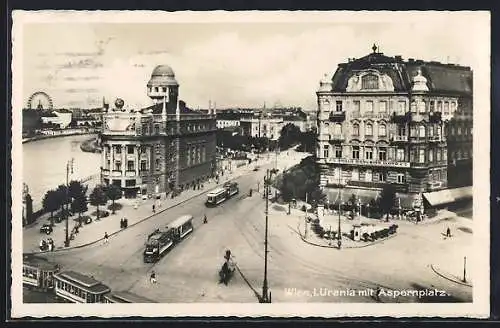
{"x": 384, "y": 120}
{"x": 59, "y": 117}
{"x": 162, "y": 147}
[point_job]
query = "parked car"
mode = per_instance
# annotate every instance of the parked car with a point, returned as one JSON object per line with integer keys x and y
{"x": 46, "y": 228}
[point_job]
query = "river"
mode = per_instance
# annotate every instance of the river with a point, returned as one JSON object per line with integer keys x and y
{"x": 44, "y": 164}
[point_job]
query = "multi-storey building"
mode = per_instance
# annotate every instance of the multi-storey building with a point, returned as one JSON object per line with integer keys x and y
{"x": 159, "y": 148}
{"x": 384, "y": 120}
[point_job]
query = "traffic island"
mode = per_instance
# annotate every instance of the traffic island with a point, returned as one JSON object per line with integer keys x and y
{"x": 450, "y": 277}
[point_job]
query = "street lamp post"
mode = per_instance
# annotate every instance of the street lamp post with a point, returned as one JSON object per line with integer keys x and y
{"x": 265, "y": 298}
{"x": 339, "y": 241}
{"x": 69, "y": 166}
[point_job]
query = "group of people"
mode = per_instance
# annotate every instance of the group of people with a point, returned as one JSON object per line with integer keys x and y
{"x": 47, "y": 245}
{"x": 123, "y": 223}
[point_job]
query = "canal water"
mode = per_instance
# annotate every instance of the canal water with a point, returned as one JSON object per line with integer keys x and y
{"x": 44, "y": 164}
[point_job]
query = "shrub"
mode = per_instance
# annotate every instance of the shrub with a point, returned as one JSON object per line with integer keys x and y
{"x": 373, "y": 237}
{"x": 366, "y": 236}
{"x": 102, "y": 214}
{"x": 303, "y": 208}
{"x": 115, "y": 207}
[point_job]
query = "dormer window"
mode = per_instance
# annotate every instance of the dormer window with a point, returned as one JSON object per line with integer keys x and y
{"x": 370, "y": 82}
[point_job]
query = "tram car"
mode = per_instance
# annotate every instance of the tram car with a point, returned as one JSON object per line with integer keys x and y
{"x": 219, "y": 195}
{"x": 160, "y": 241}
{"x": 38, "y": 272}
{"x": 125, "y": 297}
{"x": 75, "y": 287}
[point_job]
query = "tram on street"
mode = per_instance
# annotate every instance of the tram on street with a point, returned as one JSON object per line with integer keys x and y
{"x": 38, "y": 272}
{"x": 221, "y": 194}
{"x": 125, "y": 297}
{"x": 78, "y": 288}
{"x": 181, "y": 227}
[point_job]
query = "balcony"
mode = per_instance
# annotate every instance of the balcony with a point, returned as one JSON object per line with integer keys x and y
{"x": 366, "y": 162}
{"x": 333, "y": 139}
{"x": 435, "y": 117}
{"x": 130, "y": 173}
{"x": 105, "y": 172}
{"x": 435, "y": 185}
{"x": 367, "y": 184}
{"x": 116, "y": 173}
{"x": 417, "y": 117}
{"x": 418, "y": 139}
{"x": 398, "y": 138}
{"x": 398, "y": 117}
{"x": 435, "y": 139}
{"x": 337, "y": 117}
{"x": 417, "y": 165}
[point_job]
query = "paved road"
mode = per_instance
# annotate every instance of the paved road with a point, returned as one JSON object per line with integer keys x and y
{"x": 188, "y": 273}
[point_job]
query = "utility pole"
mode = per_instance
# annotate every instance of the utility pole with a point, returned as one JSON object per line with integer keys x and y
{"x": 265, "y": 298}
{"x": 69, "y": 166}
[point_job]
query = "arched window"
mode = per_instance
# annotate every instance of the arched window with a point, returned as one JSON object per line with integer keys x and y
{"x": 382, "y": 130}
{"x": 355, "y": 129}
{"x": 338, "y": 129}
{"x": 421, "y": 106}
{"x": 369, "y": 129}
{"x": 413, "y": 106}
{"x": 369, "y": 81}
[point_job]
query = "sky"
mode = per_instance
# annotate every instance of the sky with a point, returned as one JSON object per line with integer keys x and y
{"x": 243, "y": 64}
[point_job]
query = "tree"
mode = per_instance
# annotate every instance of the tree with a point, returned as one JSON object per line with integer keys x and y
{"x": 51, "y": 203}
{"x": 76, "y": 189}
{"x": 63, "y": 197}
{"x": 97, "y": 198}
{"x": 113, "y": 192}
{"x": 289, "y": 135}
{"x": 387, "y": 199}
{"x": 79, "y": 205}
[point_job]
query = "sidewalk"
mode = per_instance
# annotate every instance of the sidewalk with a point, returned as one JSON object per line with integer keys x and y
{"x": 93, "y": 232}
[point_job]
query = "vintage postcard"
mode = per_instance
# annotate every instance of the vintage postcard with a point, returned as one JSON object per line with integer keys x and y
{"x": 282, "y": 164}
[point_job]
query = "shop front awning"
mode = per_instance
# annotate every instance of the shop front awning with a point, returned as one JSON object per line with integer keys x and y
{"x": 447, "y": 196}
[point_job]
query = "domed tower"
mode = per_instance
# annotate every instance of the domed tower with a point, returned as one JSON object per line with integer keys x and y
{"x": 163, "y": 85}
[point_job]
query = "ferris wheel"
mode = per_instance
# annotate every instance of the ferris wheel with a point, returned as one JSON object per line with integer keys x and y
{"x": 40, "y": 100}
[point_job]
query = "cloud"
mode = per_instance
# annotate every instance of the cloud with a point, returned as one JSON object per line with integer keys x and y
{"x": 81, "y": 78}
{"x": 82, "y": 63}
{"x": 82, "y": 90}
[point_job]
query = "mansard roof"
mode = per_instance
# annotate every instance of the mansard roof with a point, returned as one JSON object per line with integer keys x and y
{"x": 446, "y": 78}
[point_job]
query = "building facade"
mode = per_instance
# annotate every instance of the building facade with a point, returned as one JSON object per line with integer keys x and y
{"x": 384, "y": 120}
{"x": 164, "y": 147}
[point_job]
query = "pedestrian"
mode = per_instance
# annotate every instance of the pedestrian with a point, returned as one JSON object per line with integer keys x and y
{"x": 51, "y": 244}
{"x": 152, "y": 278}
{"x": 154, "y": 208}
{"x": 205, "y": 219}
{"x": 106, "y": 237}
{"x": 121, "y": 223}
{"x": 377, "y": 293}
{"x": 448, "y": 232}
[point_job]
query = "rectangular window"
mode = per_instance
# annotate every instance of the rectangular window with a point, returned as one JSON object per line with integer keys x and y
{"x": 401, "y": 107}
{"x": 413, "y": 131}
{"x": 382, "y": 130}
{"x": 118, "y": 149}
{"x": 382, "y": 154}
{"x": 130, "y": 183}
{"x": 439, "y": 106}
{"x": 438, "y": 154}
{"x": 130, "y": 166}
{"x": 445, "y": 154}
{"x": 143, "y": 166}
{"x": 383, "y": 107}
{"x": 325, "y": 151}
{"x": 355, "y": 152}
{"x": 368, "y": 176}
{"x": 431, "y": 106}
{"x": 118, "y": 166}
{"x": 431, "y": 155}
{"x": 368, "y": 153}
{"x": 157, "y": 129}
{"x": 338, "y": 105}
{"x": 369, "y": 106}
{"x": 369, "y": 129}
{"x": 355, "y": 175}
{"x": 402, "y": 131}
{"x": 130, "y": 150}
{"x": 157, "y": 164}
{"x": 421, "y": 155}
{"x": 338, "y": 152}
{"x": 108, "y": 164}
{"x": 357, "y": 106}
{"x": 401, "y": 178}
{"x": 446, "y": 108}
{"x": 382, "y": 177}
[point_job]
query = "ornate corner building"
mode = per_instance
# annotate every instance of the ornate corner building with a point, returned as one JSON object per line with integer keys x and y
{"x": 160, "y": 148}
{"x": 385, "y": 120}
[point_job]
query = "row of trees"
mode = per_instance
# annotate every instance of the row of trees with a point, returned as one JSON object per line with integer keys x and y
{"x": 74, "y": 195}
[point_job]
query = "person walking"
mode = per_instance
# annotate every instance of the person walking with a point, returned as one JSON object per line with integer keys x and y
{"x": 205, "y": 219}
{"x": 448, "y": 232}
{"x": 106, "y": 237}
{"x": 154, "y": 211}
{"x": 152, "y": 277}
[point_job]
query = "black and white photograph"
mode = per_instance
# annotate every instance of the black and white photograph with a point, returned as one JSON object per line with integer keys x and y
{"x": 282, "y": 164}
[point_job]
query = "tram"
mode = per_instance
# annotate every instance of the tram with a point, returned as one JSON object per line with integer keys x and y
{"x": 78, "y": 288}
{"x": 38, "y": 272}
{"x": 125, "y": 297}
{"x": 181, "y": 227}
{"x": 218, "y": 195}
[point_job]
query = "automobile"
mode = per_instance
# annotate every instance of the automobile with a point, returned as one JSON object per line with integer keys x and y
{"x": 256, "y": 168}
{"x": 46, "y": 228}
{"x": 144, "y": 197}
